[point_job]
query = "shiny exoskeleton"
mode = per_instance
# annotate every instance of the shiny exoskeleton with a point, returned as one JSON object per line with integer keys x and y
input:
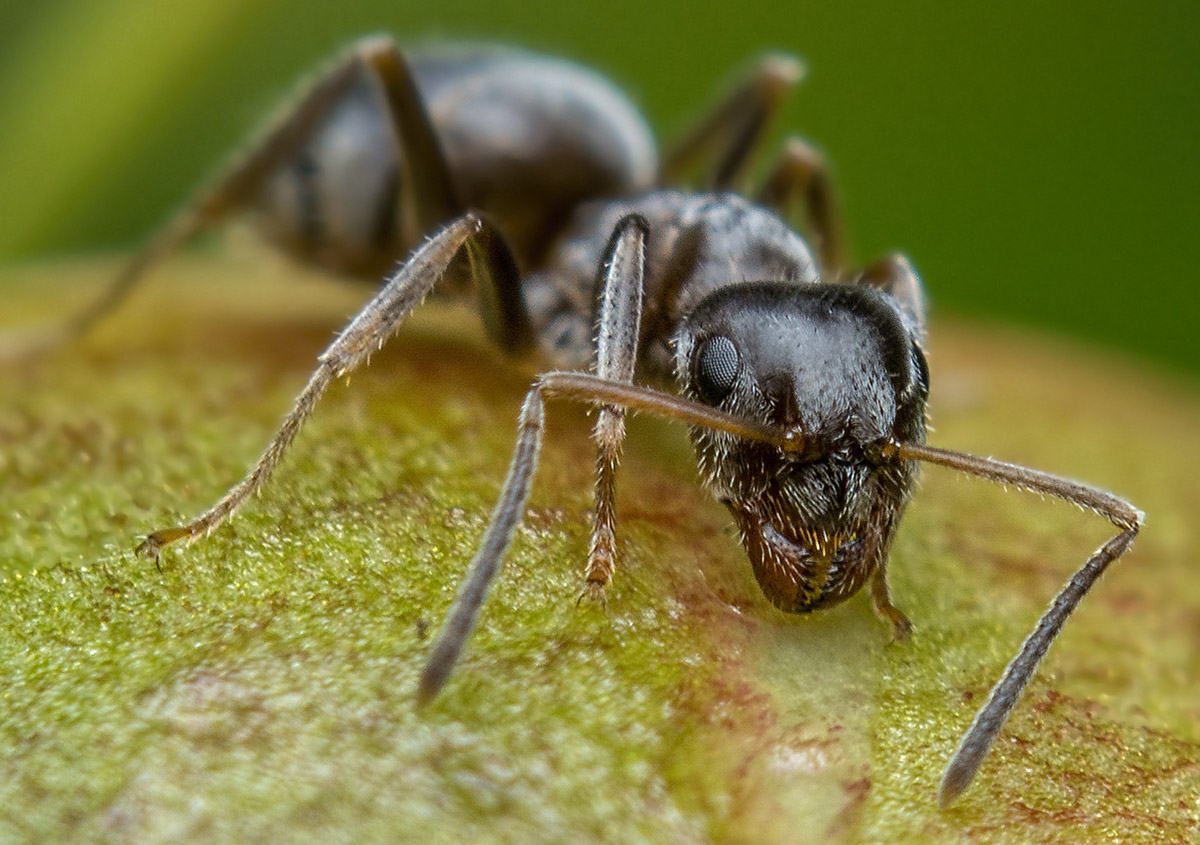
{"x": 524, "y": 138}
{"x": 385, "y": 146}
{"x": 840, "y": 364}
{"x": 843, "y": 369}
{"x": 804, "y": 387}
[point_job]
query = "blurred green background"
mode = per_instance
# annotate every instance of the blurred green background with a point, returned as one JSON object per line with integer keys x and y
{"x": 1037, "y": 161}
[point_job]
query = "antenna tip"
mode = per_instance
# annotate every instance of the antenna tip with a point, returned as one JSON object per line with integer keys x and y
{"x": 954, "y": 782}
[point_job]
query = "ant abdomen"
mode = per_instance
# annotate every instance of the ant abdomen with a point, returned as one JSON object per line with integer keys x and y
{"x": 525, "y": 139}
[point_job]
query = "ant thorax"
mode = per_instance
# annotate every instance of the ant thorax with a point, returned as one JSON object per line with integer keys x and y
{"x": 698, "y": 243}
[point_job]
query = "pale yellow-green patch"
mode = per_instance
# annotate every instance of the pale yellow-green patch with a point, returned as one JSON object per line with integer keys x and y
{"x": 260, "y": 686}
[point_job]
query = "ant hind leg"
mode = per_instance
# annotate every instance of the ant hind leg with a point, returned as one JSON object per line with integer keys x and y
{"x": 367, "y": 332}
{"x": 233, "y": 188}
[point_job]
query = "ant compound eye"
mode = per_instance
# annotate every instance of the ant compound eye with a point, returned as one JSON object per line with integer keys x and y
{"x": 717, "y": 365}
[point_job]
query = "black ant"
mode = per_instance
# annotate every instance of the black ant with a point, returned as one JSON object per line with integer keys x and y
{"x": 804, "y": 389}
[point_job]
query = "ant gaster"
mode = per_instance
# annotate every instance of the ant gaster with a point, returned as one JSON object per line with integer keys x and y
{"x": 804, "y": 389}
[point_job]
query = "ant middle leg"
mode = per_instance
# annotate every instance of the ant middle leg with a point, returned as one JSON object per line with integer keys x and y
{"x": 726, "y": 139}
{"x": 426, "y": 185}
{"x": 427, "y": 199}
{"x": 895, "y": 276}
{"x": 801, "y": 174}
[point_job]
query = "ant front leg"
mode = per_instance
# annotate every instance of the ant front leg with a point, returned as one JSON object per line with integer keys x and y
{"x": 728, "y": 136}
{"x": 581, "y": 387}
{"x": 618, "y": 330}
{"x": 881, "y": 601}
{"x": 367, "y": 332}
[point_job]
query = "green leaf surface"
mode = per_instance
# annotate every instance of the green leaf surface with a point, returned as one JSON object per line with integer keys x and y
{"x": 259, "y": 687}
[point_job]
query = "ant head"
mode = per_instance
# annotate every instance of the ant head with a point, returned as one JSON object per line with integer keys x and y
{"x": 835, "y": 362}
{"x": 839, "y": 365}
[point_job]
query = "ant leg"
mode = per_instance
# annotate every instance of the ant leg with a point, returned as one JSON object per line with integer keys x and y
{"x": 426, "y": 180}
{"x": 881, "y": 600}
{"x": 428, "y": 190}
{"x": 1128, "y": 519}
{"x": 618, "y": 331}
{"x": 728, "y": 136}
{"x": 617, "y": 336}
{"x": 232, "y": 189}
{"x": 496, "y": 539}
{"x": 368, "y": 331}
{"x": 895, "y": 276}
{"x": 584, "y": 387}
{"x": 800, "y": 173}
{"x": 501, "y": 297}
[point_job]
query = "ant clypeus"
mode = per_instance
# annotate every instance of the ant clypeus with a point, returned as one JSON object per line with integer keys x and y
{"x": 804, "y": 388}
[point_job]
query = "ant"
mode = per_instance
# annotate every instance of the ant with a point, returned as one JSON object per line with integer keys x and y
{"x": 804, "y": 387}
